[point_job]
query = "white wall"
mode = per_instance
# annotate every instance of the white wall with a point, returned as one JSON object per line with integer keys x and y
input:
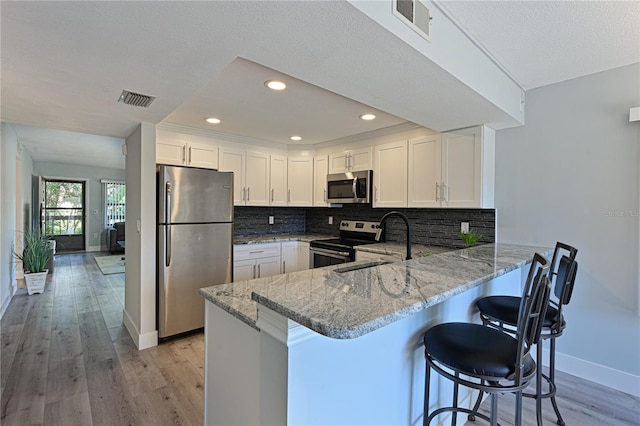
{"x": 11, "y": 201}
{"x": 140, "y": 276}
{"x": 94, "y": 194}
{"x": 571, "y": 174}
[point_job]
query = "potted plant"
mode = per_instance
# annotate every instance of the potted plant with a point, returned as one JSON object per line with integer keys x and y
{"x": 470, "y": 238}
{"x": 34, "y": 257}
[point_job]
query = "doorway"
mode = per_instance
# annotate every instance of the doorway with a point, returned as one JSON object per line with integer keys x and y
{"x": 63, "y": 215}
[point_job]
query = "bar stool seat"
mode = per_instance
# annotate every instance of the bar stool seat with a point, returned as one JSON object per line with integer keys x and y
{"x": 473, "y": 349}
{"x": 506, "y": 308}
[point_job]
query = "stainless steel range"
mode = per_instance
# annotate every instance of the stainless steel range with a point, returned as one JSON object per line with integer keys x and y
{"x": 334, "y": 251}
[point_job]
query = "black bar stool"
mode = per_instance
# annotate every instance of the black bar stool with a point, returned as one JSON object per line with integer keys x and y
{"x": 489, "y": 359}
{"x": 501, "y": 312}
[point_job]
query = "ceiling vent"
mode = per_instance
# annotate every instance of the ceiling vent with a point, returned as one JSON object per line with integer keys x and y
{"x": 414, "y": 13}
{"x": 136, "y": 99}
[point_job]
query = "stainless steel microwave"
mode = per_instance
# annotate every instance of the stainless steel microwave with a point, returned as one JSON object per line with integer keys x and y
{"x": 350, "y": 187}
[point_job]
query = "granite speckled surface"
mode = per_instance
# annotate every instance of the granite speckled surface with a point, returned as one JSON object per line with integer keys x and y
{"x": 395, "y": 249}
{"x": 346, "y": 305}
{"x": 256, "y": 239}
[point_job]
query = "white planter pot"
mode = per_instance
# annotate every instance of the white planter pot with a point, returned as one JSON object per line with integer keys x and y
{"x": 35, "y": 282}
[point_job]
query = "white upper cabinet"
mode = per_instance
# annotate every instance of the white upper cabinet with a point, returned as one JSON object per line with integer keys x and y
{"x": 320, "y": 170}
{"x": 232, "y": 160}
{"x": 463, "y": 177}
{"x": 278, "y": 180}
{"x": 424, "y": 177}
{"x": 250, "y": 176}
{"x": 179, "y": 151}
{"x": 202, "y": 155}
{"x": 350, "y": 161}
{"x": 257, "y": 179}
{"x": 300, "y": 181}
{"x": 390, "y": 175}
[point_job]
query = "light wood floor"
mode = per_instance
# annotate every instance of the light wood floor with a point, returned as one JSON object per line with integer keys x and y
{"x": 66, "y": 359}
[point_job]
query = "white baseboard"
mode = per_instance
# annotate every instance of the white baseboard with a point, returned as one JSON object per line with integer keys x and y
{"x": 13, "y": 287}
{"x": 142, "y": 341}
{"x": 601, "y": 374}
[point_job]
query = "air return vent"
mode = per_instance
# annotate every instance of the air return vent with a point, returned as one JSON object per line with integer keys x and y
{"x": 136, "y": 99}
{"x": 414, "y": 13}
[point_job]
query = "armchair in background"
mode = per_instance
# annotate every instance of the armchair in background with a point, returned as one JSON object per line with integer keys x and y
{"x": 115, "y": 234}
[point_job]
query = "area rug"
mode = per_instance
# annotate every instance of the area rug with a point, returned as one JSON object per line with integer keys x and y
{"x": 110, "y": 264}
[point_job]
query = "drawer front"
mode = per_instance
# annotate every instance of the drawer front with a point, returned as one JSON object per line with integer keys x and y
{"x": 255, "y": 251}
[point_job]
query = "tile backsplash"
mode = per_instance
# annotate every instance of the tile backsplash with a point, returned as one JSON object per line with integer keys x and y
{"x": 437, "y": 227}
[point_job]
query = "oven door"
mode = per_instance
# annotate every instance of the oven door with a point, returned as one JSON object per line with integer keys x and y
{"x": 322, "y": 257}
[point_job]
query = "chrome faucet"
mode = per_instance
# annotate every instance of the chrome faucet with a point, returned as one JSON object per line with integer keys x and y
{"x": 406, "y": 222}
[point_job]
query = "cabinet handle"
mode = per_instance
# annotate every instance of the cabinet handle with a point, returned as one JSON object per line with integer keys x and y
{"x": 272, "y": 197}
{"x": 184, "y": 154}
{"x": 256, "y": 251}
{"x": 248, "y": 193}
{"x": 284, "y": 267}
{"x": 288, "y": 195}
{"x": 254, "y": 272}
{"x": 350, "y": 166}
{"x": 437, "y": 190}
{"x": 189, "y": 155}
{"x": 325, "y": 195}
{"x": 258, "y": 270}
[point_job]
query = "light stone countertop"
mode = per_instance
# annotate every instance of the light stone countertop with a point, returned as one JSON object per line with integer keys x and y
{"x": 266, "y": 238}
{"x": 400, "y": 249}
{"x": 351, "y": 304}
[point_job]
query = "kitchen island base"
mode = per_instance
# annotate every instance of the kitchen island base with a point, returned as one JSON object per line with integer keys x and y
{"x": 281, "y": 372}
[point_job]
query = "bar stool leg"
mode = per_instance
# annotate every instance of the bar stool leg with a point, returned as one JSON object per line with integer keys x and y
{"x": 539, "y": 383}
{"x": 476, "y": 407}
{"x": 518, "y": 408}
{"x": 552, "y": 379}
{"x": 425, "y": 412}
{"x": 454, "y": 414}
{"x": 494, "y": 409}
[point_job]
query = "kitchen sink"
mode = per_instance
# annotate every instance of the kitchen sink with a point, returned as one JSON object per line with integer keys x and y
{"x": 361, "y": 266}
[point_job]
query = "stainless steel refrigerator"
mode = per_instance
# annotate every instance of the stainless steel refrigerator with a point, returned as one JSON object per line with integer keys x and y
{"x": 195, "y": 243}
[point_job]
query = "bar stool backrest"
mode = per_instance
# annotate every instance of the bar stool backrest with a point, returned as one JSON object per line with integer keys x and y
{"x": 564, "y": 269}
{"x": 533, "y": 308}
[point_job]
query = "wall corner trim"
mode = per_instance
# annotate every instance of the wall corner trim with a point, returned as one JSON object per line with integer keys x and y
{"x": 142, "y": 341}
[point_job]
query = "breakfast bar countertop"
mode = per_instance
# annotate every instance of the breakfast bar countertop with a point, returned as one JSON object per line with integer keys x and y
{"x": 344, "y": 302}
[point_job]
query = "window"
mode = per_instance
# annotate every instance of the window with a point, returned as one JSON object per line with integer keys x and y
{"x": 63, "y": 208}
{"x": 114, "y": 202}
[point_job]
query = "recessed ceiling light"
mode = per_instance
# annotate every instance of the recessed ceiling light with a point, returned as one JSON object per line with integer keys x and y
{"x": 212, "y": 120}
{"x": 295, "y": 138}
{"x": 275, "y": 85}
{"x": 368, "y": 117}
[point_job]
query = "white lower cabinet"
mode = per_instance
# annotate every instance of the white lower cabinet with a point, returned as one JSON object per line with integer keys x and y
{"x": 268, "y": 259}
{"x": 256, "y": 261}
{"x": 295, "y": 256}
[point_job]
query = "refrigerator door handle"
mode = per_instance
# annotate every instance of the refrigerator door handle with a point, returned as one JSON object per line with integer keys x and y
{"x": 168, "y": 221}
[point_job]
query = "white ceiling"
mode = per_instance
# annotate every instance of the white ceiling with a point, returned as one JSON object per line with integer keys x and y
{"x": 64, "y": 65}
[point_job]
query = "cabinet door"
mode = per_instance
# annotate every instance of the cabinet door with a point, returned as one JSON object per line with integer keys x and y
{"x": 320, "y": 170}
{"x": 424, "y": 172}
{"x": 390, "y": 175}
{"x": 278, "y": 180}
{"x": 243, "y": 270}
{"x": 303, "y": 256}
{"x": 268, "y": 266}
{"x": 360, "y": 159}
{"x": 300, "y": 181}
{"x": 257, "y": 179}
{"x": 171, "y": 152}
{"x": 338, "y": 162}
{"x": 234, "y": 161}
{"x": 202, "y": 155}
{"x": 462, "y": 168}
{"x": 289, "y": 256}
